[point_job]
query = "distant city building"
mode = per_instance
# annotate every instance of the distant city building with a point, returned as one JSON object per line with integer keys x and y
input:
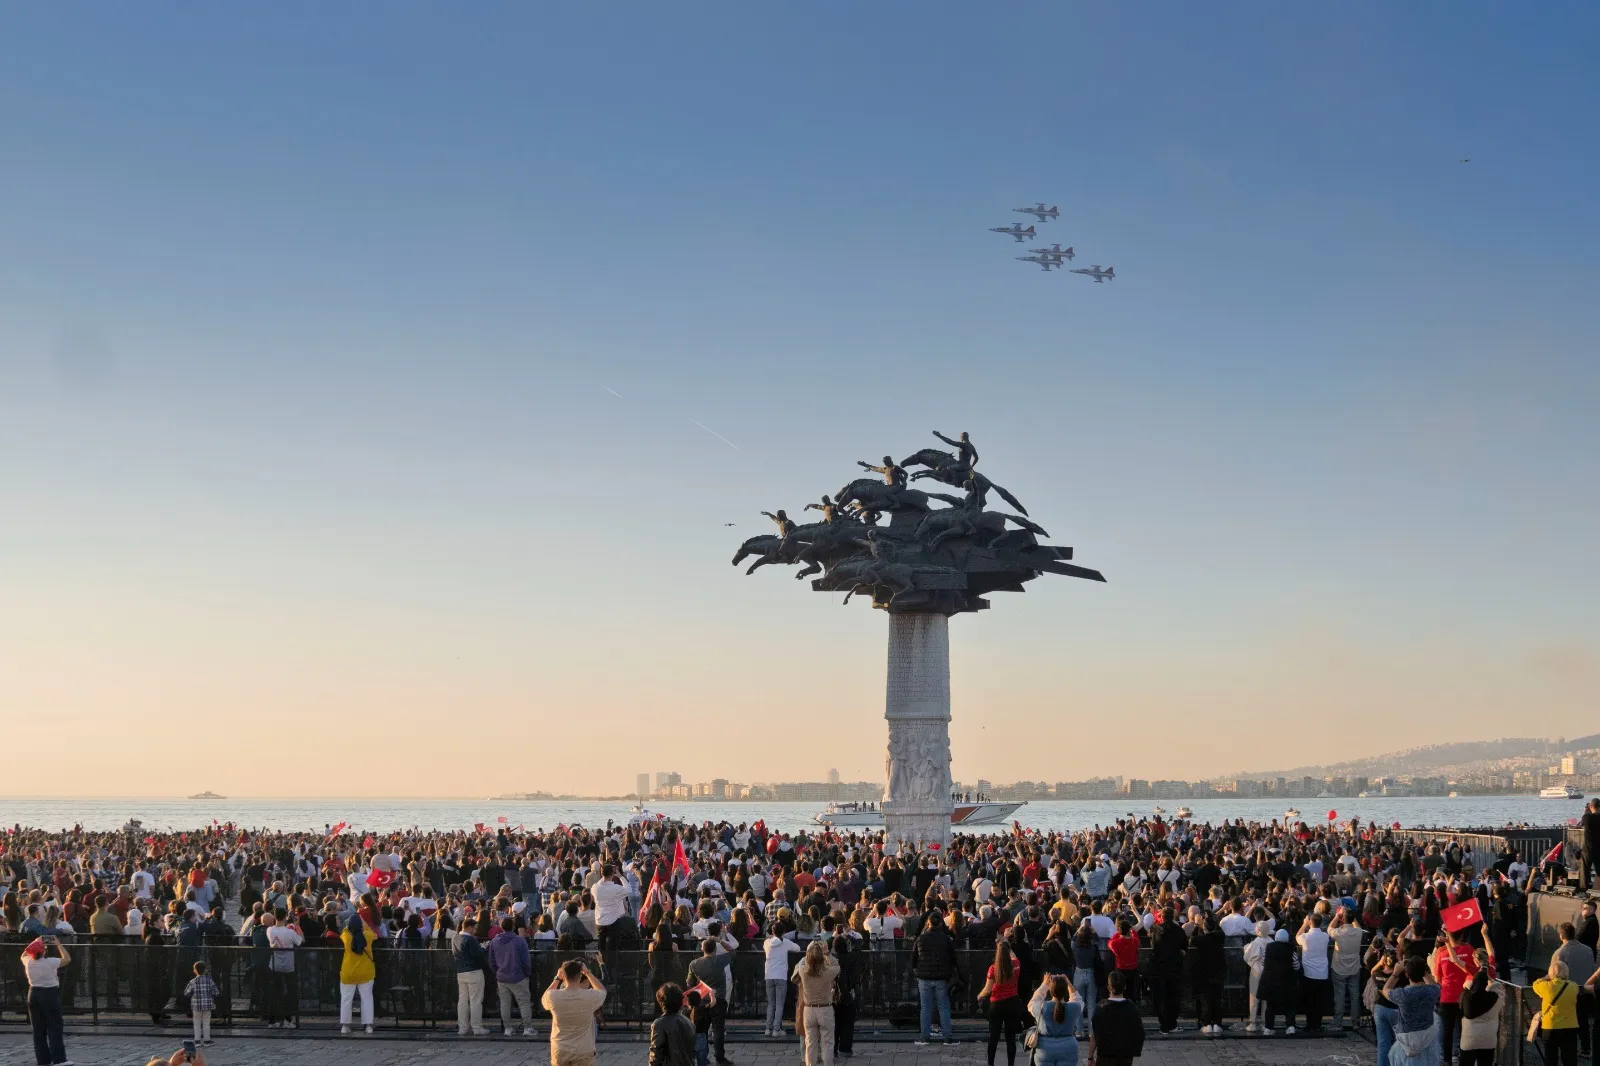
{"x": 641, "y": 785}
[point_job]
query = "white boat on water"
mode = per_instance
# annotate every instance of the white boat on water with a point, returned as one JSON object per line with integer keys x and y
{"x": 642, "y": 815}
{"x": 1184, "y": 813}
{"x": 1160, "y": 811}
{"x": 963, "y": 813}
{"x": 1560, "y": 792}
{"x": 1291, "y": 815}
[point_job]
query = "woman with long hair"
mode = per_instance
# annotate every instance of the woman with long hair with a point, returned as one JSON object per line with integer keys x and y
{"x": 1087, "y": 967}
{"x": 816, "y": 975}
{"x": 1057, "y": 1011}
{"x": 664, "y": 966}
{"x": 1005, "y": 1005}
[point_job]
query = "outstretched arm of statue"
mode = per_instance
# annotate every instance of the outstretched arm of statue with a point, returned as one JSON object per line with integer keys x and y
{"x": 947, "y": 440}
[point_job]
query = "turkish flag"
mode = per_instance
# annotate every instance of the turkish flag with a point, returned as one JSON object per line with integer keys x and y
{"x": 1554, "y": 856}
{"x": 502, "y": 819}
{"x": 679, "y": 859}
{"x": 379, "y": 879}
{"x": 336, "y": 830}
{"x": 935, "y": 847}
{"x": 367, "y": 841}
{"x": 478, "y": 826}
{"x": 1461, "y": 916}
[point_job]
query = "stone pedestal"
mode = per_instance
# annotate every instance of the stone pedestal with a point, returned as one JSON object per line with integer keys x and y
{"x": 917, "y": 805}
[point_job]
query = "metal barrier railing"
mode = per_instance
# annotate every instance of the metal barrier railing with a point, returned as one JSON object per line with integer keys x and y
{"x": 112, "y": 978}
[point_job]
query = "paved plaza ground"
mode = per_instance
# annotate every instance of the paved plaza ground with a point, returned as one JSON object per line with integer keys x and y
{"x": 134, "y": 1048}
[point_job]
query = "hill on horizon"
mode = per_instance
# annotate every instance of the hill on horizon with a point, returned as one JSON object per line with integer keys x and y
{"x": 1418, "y": 761}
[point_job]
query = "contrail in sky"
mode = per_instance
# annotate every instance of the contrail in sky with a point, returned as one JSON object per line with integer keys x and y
{"x": 612, "y": 391}
{"x": 717, "y": 435}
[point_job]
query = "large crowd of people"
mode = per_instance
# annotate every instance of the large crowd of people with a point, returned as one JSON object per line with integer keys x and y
{"x": 1333, "y": 922}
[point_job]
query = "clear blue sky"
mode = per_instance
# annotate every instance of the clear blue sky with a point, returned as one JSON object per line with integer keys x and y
{"x": 308, "y": 319}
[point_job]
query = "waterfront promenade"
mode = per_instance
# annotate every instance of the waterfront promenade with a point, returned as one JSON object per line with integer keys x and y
{"x": 133, "y": 1049}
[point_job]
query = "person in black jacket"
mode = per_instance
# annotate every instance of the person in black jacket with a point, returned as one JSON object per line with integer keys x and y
{"x": 1117, "y": 1033}
{"x": 1279, "y": 978}
{"x": 1210, "y": 967}
{"x": 672, "y": 1036}
{"x": 1168, "y": 947}
{"x": 844, "y": 1010}
{"x": 933, "y": 960}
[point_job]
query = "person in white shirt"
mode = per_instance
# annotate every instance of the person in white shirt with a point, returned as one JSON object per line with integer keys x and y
{"x": 778, "y": 949}
{"x": 280, "y": 1007}
{"x": 1314, "y": 972}
{"x": 44, "y": 998}
{"x": 144, "y": 883}
{"x": 610, "y": 903}
{"x": 982, "y": 889}
{"x": 1233, "y": 923}
{"x": 881, "y": 926}
{"x": 1346, "y": 935}
{"x": 1255, "y": 957}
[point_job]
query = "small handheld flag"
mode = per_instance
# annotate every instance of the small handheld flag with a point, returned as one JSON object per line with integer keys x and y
{"x": 1461, "y": 916}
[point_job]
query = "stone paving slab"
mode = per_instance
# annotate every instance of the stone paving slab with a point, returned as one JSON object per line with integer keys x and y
{"x": 132, "y": 1049}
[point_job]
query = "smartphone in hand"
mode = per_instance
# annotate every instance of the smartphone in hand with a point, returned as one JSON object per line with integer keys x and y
{"x": 188, "y": 1050}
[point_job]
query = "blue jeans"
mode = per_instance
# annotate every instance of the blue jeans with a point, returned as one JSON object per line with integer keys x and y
{"x": 1384, "y": 1019}
{"x": 777, "y": 992}
{"x": 702, "y": 1049}
{"x": 931, "y": 992}
{"x": 1083, "y": 981}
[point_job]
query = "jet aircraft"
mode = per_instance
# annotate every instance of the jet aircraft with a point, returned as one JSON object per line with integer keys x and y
{"x": 1045, "y": 261}
{"x": 1055, "y": 251}
{"x": 1039, "y": 211}
{"x": 1016, "y": 230}
{"x": 1097, "y": 274}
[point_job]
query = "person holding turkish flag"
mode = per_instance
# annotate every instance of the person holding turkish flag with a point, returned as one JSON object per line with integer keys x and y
{"x": 1453, "y": 965}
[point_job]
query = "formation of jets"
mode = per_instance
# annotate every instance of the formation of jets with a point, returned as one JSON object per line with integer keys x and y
{"x": 1054, "y": 257}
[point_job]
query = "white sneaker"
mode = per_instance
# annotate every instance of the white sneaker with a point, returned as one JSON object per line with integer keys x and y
{"x": 530, "y": 1031}
{"x": 510, "y": 1031}
{"x": 369, "y": 1030}
{"x": 1289, "y": 1031}
{"x": 344, "y": 1030}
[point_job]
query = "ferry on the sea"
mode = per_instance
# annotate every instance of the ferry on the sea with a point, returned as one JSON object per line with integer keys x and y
{"x": 1560, "y": 792}
{"x": 1291, "y": 815}
{"x": 208, "y": 795}
{"x": 1184, "y": 814}
{"x": 965, "y": 812}
{"x": 642, "y": 815}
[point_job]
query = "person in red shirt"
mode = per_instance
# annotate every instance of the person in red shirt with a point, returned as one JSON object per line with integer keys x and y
{"x": 1032, "y": 872}
{"x": 1453, "y": 965}
{"x": 1124, "y": 945}
{"x": 1005, "y": 1005}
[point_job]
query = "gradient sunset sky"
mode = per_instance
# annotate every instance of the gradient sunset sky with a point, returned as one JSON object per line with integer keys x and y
{"x": 362, "y": 372}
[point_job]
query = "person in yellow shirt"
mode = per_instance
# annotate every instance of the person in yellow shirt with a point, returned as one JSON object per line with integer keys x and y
{"x": 1064, "y": 910}
{"x": 1558, "y": 1015}
{"x": 356, "y": 971}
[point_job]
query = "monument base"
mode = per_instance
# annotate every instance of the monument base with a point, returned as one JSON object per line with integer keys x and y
{"x": 916, "y": 802}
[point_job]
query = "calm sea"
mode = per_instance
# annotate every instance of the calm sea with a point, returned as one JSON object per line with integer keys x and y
{"x": 391, "y": 814}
